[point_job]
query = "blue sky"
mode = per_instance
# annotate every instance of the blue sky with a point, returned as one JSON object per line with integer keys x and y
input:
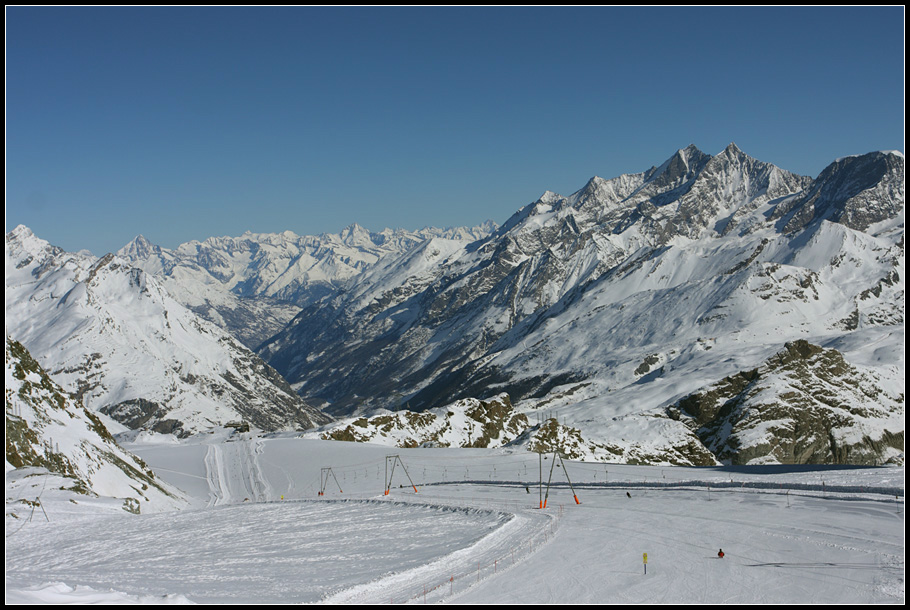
{"x": 187, "y": 123}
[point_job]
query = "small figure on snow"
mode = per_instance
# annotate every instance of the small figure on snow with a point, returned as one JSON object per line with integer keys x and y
{"x": 628, "y": 495}
{"x": 720, "y": 554}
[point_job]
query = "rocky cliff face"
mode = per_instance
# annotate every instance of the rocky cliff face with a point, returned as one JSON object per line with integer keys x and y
{"x": 857, "y": 192}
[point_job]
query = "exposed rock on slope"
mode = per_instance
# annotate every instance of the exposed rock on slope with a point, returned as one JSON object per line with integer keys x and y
{"x": 804, "y": 405}
{"x": 47, "y": 431}
{"x": 465, "y": 423}
{"x": 569, "y": 442}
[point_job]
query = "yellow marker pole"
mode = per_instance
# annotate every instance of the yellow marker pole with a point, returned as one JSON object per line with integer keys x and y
{"x": 644, "y": 558}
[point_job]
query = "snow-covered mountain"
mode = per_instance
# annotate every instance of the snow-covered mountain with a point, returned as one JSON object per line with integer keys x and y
{"x": 108, "y": 333}
{"x": 254, "y": 284}
{"x": 49, "y": 433}
{"x": 609, "y": 308}
{"x": 614, "y": 303}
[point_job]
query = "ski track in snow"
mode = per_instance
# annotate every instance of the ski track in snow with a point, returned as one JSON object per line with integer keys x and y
{"x": 776, "y": 554}
{"x": 242, "y": 457}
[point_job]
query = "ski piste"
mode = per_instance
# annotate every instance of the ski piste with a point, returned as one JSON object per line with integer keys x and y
{"x": 472, "y": 534}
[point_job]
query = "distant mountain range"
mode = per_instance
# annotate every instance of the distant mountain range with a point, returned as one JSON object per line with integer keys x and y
{"x": 254, "y": 284}
{"x": 636, "y": 320}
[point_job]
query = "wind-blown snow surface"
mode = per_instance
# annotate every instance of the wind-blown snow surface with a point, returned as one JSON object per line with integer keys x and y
{"x": 258, "y": 531}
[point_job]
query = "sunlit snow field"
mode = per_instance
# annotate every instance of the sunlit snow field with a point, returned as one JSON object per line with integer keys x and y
{"x": 260, "y": 532}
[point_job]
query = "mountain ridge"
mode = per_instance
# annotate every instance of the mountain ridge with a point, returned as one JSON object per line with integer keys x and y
{"x": 609, "y": 305}
{"x": 701, "y": 254}
{"x": 252, "y": 285}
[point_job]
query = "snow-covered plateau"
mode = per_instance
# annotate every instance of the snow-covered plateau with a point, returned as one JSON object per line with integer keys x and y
{"x": 274, "y": 518}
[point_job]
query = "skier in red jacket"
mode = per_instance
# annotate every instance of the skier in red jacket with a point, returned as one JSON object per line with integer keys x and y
{"x": 720, "y": 554}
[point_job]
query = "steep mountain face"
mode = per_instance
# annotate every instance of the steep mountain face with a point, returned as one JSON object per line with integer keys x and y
{"x": 253, "y": 285}
{"x": 612, "y": 303}
{"x": 109, "y": 334}
{"x": 48, "y": 431}
{"x": 854, "y": 191}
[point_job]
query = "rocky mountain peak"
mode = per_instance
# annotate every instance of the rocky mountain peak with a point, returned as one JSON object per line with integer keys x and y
{"x": 355, "y": 234}
{"x": 23, "y": 240}
{"x": 732, "y": 150}
{"x": 20, "y": 233}
{"x": 139, "y": 248}
{"x": 549, "y": 198}
{"x": 680, "y": 168}
{"x": 857, "y": 191}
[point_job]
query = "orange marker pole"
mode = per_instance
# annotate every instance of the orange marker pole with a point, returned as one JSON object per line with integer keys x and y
{"x": 540, "y": 479}
{"x": 565, "y": 470}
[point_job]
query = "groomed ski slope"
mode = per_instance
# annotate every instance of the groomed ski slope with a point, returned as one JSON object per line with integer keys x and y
{"x": 259, "y": 532}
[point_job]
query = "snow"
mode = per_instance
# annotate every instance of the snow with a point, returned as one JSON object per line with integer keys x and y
{"x": 257, "y": 531}
{"x": 59, "y": 593}
{"x": 896, "y": 153}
